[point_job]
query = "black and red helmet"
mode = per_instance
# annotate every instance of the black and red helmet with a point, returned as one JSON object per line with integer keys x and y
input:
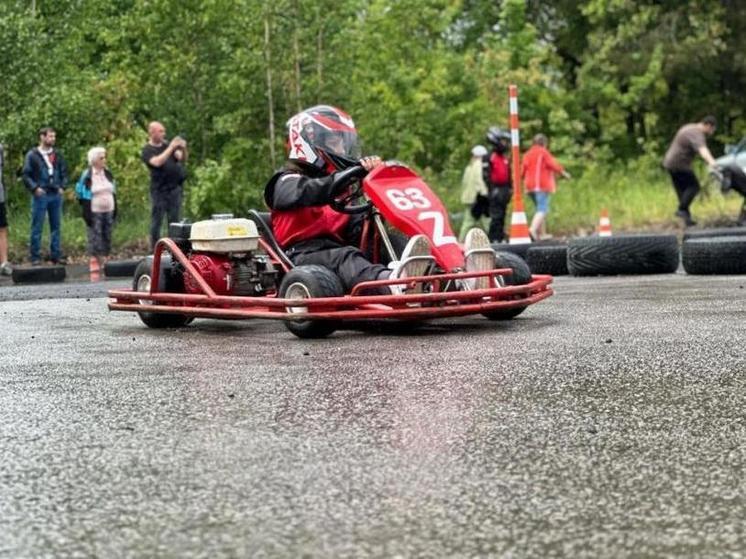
{"x": 498, "y": 136}
{"x": 323, "y": 137}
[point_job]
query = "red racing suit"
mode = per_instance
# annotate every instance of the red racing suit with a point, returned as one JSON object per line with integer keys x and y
{"x": 300, "y": 210}
{"x": 311, "y": 232}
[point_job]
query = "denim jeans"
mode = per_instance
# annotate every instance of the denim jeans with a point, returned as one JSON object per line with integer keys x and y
{"x": 51, "y": 204}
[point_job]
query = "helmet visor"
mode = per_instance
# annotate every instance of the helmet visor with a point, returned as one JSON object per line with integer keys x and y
{"x": 339, "y": 143}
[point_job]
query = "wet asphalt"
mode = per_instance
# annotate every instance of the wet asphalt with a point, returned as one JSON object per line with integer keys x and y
{"x": 607, "y": 421}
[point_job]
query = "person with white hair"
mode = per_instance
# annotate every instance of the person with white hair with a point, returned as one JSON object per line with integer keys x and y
{"x": 473, "y": 193}
{"x": 96, "y": 193}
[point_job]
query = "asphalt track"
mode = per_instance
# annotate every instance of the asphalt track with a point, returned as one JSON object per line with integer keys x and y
{"x": 607, "y": 421}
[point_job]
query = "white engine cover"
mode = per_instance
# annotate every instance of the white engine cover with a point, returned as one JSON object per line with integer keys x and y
{"x": 225, "y": 235}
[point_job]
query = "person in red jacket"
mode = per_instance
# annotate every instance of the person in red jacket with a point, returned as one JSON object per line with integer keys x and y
{"x": 538, "y": 170}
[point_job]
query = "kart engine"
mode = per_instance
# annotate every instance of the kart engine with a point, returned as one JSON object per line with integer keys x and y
{"x": 225, "y": 252}
{"x": 227, "y": 274}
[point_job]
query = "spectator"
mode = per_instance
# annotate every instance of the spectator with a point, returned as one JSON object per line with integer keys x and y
{"x": 496, "y": 170}
{"x": 472, "y": 189}
{"x": 5, "y": 268}
{"x": 165, "y": 160}
{"x": 45, "y": 176}
{"x": 690, "y": 140}
{"x": 95, "y": 192}
{"x": 538, "y": 170}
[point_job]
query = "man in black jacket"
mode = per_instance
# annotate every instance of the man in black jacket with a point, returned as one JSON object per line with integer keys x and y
{"x": 45, "y": 176}
{"x": 165, "y": 161}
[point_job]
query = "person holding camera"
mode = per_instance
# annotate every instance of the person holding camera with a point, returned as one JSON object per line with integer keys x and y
{"x": 166, "y": 163}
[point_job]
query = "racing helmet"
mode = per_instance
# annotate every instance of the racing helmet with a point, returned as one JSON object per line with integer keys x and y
{"x": 498, "y": 137}
{"x": 323, "y": 137}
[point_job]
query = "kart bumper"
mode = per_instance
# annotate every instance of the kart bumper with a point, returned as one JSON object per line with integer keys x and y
{"x": 353, "y": 307}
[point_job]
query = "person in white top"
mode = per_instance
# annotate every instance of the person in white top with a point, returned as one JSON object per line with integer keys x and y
{"x": 96, "y": 193}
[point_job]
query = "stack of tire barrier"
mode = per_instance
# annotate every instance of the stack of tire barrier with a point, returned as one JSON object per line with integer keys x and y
{"x": 714, "y": 251}
{"x": 623, "y": 255}
{"x": 39, "y": 274}
{"x": 121, "y": 268}
{"x": 542, "y": 257}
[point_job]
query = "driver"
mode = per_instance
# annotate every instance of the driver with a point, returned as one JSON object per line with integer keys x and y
{"x": 323, "y": 141}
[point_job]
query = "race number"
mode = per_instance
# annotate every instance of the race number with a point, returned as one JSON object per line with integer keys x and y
{"x": 408, "y": 199}
{"x": 439, "y": 239}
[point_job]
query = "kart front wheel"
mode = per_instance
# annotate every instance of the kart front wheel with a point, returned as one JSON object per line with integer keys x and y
{"x": 142, "y": 282}
{"x": 521, "y": 276}
{"x": 310, "y": 282}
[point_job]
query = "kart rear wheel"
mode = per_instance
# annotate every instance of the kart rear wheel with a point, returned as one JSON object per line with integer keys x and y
{"x": 307, "y": 282}
{"x": 521, "y": 276}
{"x": 166, "y": 282}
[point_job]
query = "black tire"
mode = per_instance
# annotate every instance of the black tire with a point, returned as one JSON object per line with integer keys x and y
{"x": 120, "y": 268}
{"x": 310, "y": 282}
{"x": 623, "y": 255}
{"x": 521, "y": 276}
{"x": 39, "y": 274}
{"x": 718, "y": 255}
{"x": 717, "y": 232}
{"x": 548, "y": 259}
{"x": 169, "y": 281}
{"x": 521, "y": 249}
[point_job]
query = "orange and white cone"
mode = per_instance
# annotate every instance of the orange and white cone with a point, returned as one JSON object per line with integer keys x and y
{"x": 94, "y": 269}
{"x": 519, "y": 233}
{"x": 604, "y": 224}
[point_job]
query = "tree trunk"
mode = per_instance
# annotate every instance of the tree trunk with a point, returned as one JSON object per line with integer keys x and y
{"x": 319, "y": 63}
{"x": 270, "y": 98}
{"x": 296, "y": 55}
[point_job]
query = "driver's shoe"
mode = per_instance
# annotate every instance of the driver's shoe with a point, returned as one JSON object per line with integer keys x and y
{"x": 415, "y": 261}
{"x": 480, "y": 257}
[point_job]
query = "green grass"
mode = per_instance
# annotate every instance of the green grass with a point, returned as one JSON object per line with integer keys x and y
{"x": 130, "y": 235}
{"x": 639, "y": 198}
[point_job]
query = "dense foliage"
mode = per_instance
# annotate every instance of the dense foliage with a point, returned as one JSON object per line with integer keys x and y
{"x": 608, "y": 80}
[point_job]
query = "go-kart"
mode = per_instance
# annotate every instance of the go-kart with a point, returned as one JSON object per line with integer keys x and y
{"x": 230, "y": 268}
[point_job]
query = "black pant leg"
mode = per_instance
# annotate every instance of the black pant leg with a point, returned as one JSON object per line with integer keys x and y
{"x": 157, "y": 211}
{"x": 174, "y": 205}
{"x": 499, "y": 200}
{"x": 687, "y": 187}
{"x": 347, "y": 262}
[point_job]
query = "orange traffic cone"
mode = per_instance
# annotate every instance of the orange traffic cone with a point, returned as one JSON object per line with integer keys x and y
{"x": 94, "y": 269}
{"x": 519, "y": 233}
{"x": 604, "y": 224}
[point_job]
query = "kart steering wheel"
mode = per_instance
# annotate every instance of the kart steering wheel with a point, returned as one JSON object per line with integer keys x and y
{"x": 343, "y": 180}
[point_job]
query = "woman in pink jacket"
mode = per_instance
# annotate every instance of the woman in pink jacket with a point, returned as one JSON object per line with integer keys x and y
{"x": 538, "y": 170}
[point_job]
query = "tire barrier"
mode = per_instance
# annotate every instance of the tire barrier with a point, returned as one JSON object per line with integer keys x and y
{"x": 121, "y": 268}
{"x": 714, "y": 255}
{"x": 548, "y": 259}
{"x": 39, "y": 274}
{"x": 623, "y": 255}
{"x": 717, "y": 232}
{"x": 521, "y": 249}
